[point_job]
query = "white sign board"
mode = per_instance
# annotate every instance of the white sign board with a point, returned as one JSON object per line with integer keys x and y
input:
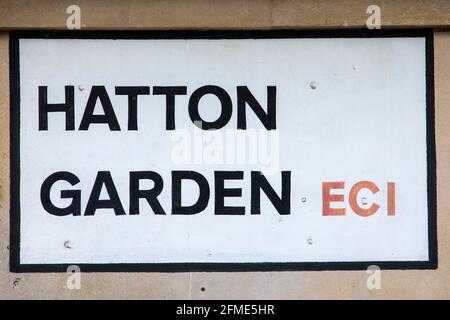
{"x": 222, "y": 151}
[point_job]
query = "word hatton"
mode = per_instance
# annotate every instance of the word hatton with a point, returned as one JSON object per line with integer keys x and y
{"x": 100, "y": 94}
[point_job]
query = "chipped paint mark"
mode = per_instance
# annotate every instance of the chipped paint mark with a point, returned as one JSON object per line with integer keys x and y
{"x": 16, "y": 282}
{"x": 68, "y": 244}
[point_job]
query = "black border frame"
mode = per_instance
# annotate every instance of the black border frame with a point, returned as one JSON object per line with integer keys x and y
{"x": 16, "y": 266}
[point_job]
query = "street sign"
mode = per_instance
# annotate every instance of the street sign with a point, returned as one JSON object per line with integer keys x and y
{"x": 222, "y": 151}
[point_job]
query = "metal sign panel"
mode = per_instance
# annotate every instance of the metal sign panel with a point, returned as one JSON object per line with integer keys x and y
{"x": 189, "y": 151}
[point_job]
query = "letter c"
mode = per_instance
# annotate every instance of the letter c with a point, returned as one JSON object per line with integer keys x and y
{"x": 354, "y": 194}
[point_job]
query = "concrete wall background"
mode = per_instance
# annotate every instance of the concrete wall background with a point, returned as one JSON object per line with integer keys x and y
{"x": 240, "y": 14}
{"x": 248, "y": 14}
